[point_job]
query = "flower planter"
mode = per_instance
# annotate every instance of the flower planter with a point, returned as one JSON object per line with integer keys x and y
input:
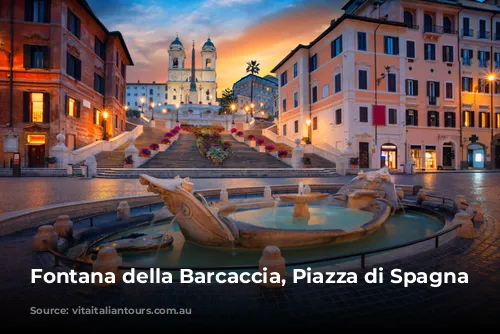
{"x": 262, "y": 149}
{"x": 305, "y": 166}
{"x": 52, "y": 165}
{"x": 127, "y": 166}
{"x": 252, "y": 143}
{"x": 163, "y": 147}
{"x": 240, "y": 139}
{"x": 354, "y": 166}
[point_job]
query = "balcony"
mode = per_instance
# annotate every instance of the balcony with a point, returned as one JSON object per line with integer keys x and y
{"x": 467, "y": 33}
{"x": 413, "y": 26}
{"x": 433, "y": 29}
{"x": 450, "y": 31}
{"x": 482, "y": 34}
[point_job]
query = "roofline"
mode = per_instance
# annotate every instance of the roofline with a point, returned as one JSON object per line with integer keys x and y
{"x": 246, "y": 76}
{"x": 89, "y": 10}
{"x": 348, "y": 3}
{"x": 332, "y": 26}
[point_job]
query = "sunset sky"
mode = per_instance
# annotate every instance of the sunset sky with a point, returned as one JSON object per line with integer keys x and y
{"x": 242, "y": 30}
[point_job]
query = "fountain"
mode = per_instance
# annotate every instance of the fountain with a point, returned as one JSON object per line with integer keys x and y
{"x": 301, "y": 201}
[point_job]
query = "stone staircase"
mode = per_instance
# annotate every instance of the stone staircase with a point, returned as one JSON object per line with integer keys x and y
{"x": 114, "y": 159}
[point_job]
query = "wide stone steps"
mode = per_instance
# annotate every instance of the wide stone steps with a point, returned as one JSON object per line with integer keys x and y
{"x": 167, "y": 173}
{"x": 319, "y": 162}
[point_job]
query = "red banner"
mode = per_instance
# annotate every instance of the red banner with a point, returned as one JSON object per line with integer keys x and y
{"x": 379, "y": 115}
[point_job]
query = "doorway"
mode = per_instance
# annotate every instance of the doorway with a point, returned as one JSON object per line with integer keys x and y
{"x": 364, "y": 157}
{"x": 36, "y": 156}
{"x": 448, "y": 155}
{"x": 389, "y": 156}
{"x": 475, "y": 156}
{"x": 497, "y": 156}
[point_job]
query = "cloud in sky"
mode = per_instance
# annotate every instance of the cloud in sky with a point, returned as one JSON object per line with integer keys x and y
{"x": 242, "y": 30}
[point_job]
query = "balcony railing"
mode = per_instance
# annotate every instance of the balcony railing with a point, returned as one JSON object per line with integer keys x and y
{"x": 448, "y": 30}
{"x": 483, "y": 63}
{"x": 433, "y": 29}
{"x": 481, "y": 34}
{"x": 413, "y": 26}
{"x": 432, "y": 100}
{"x": 467, "y": 33}
{"x": 466, "y": 61}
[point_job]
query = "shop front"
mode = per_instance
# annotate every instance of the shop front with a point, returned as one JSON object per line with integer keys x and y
{"x": 36, "y": 149}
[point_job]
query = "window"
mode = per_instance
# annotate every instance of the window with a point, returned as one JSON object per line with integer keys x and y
{"x": 338, "y": 116}
{"x": 497, "y": 60}
{"x": 483, "y": 86}
{"x": 433, "y": 92}
{"x": 338, "y": 82}
{"x": 315, "y": 123}
{"x": 467, "y": 57}
{"x": 295, "y": 99}
{"x": 99, "y": 48}
{"x": 484, "y": 119}
{"x": 362, "y": 79}
{"x": 391, "y": 82}
{"x": 448, "y": 90}
{"x": 483, "y": 58}
{"x": 175, "y": 62}
{"x": 428, "y": 23}
{"x": 116, "y": 121}
{"x": 410, "y": 49}
{"x": 466, "y": 84}
{"x": 483, "y": 34}
{"x": 468, "y": 119}
{"x": 150, "y": 100}
{"x": 408, "y": 19}
{"x": 497, "y": 87}
{"x": 433, "y": 118}
{"x": 363, "y": 114}
{"x": 73, "y": 24}
{"x": 150, "y": 92}
{"x": 391, "y": 45}
{"x": 295, "y": 70}
{"x": 72, "y": 107}
{"x": 284, "y": 105}
{"x": 284, "y": 130}
{"x": 97, "y": 115}
{"x": 449, "y": 119}
{"x": 466, "y": 31}
{"x": 448, "y": 53}
{"x": 37, "y": 11}
{"x": 117, "y": 59}
{"x": 336, "y": 47}
{"x": 116, "y": 91}
{"x": 411, "y": 117}
{"x": 314, "y": 94}
{"x": 36, "y": 107}
{"x": 123, "y": 67}
{"x": 36, "y": 56}
{"x": 283, "y": 79}
{"x": 296, "y": 126}
{"x": 393, "y": 116}
{"x": 429, "y": 51}
{"x": 208, "y": 63}
{"x": 362, "y": 41}
{"x": 497, "y": 31}
{"x": 447, "y": 25}
{"x": 325, "y": 91}
{"x": 411, "y": 87}
{"x": 73, "y": 66}
{"x": 313, "y": 62}
{"x": 98, "y": 83}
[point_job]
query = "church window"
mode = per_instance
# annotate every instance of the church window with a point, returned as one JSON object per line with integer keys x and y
{"x": 176, "y": 62}
{"x": 208, "y": 63}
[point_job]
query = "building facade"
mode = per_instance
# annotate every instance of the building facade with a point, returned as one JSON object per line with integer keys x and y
{"x": 415, "y": 92}
{"x": 261, "y": 91}
{"x": 61, "y": 71}
{"x": 141, "y": 95}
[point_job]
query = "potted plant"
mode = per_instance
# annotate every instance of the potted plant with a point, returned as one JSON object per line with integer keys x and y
{"x": 239, "y": 136}
{"x": 145, "y": 153}
{"x": 354, "y": 162}
{"x": 169, "y": 134}
{"x": 306, "y": 162}
{"x": 234, "y": 130}
{"x": 201, "y": 102}
{"x": 190, "y": 102}
{"x": 282, "y": 154}
{"x": 51, "y": 161}
{"x": 154, "y": 147}
{"x": 166, "y": 141}
{"x": 270, "y": 148}
{"x": 128, "y": 162}
{"x": 306, "y": 140}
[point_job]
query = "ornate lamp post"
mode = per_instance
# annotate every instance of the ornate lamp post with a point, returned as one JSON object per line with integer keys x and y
{"x": 143, "y": 100}
{"x": 152, "y": 111}
{"x": 246, "y": 112}
{"x": 177, "y": 113}
{"x": 252, "y": 106}
{"x": 233, "y": 108}
{"x": 308, "y": 122}
{"x": 105, "y": 125}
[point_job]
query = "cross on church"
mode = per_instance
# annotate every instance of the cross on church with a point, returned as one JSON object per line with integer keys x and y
{"x": 473, "y": 138}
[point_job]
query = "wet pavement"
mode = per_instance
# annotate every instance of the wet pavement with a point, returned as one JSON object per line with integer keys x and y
{"x": 245, "y": 307}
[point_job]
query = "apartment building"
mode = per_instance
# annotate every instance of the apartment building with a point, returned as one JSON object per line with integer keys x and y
{"x": 141, "y": 95}
{"x": 399, "y": 79}
{"x": 61, "y": 71}
{"x": 261, "y": 91}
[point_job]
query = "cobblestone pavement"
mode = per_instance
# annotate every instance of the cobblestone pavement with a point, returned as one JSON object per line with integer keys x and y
{"x": 299, "y": 306}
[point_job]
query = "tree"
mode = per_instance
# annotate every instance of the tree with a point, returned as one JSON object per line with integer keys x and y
{"x": 227, "y": 100}
{"x": 253, "y": 68}
{"x": 133, "y": 113}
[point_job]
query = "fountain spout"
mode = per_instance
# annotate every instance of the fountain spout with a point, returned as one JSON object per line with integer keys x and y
{"x": 301, "y": 188}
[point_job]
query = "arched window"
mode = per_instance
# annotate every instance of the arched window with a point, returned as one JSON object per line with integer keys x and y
{"x": 176, "y": 62}
{"x": 408, "y": 18}
{"x": 208, "y": 94}
{"x": 428, "y": 23}
{"x": 447, "y": 26}
{"x": 208, "y": 63}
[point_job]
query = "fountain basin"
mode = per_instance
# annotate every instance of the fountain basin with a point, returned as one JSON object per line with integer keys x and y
{"x": 301, "y": 202}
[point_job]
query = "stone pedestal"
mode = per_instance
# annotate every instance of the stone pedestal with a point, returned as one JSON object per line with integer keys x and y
{"x": 460, "y": 202}
{"x": 61, "y": 152}
{"x": 467, "y": 230}
{"x": 45, "y": 233}
{"x": 91, "y": 166}
{"x": 123, "y": 211}
{"x": 421, "y": 196}
{"x": 476, "y": 211}
{"x": 274, "y": 262}
{"x": 64, "y": 227}
{"x": 152, "y": 123}
{"x": 252, "y": 143}
{"x": 107, "y": 261}
{"x": 268, "y": 195}
{"x": 224, "y": 196}
{"x": 132, "y": 151}
{"x": 262, "y": 149}
{"x": 297, "y": 154}
{"x": 301, "y": 210}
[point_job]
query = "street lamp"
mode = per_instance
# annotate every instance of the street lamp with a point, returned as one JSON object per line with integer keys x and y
{"x": 233, "y": 108}
{"x": 177, "y": 113}
{"x": 105, "y": 118}
{"x": 492, "y": 78}
{"x": 152, "y": 111}
{"x": 164, "y": 110}
{"x": 252, "y": 105}
{"x": 246, "y": 112}
{"x": 143, "y": 100}
{"x": 308, "y": 122}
